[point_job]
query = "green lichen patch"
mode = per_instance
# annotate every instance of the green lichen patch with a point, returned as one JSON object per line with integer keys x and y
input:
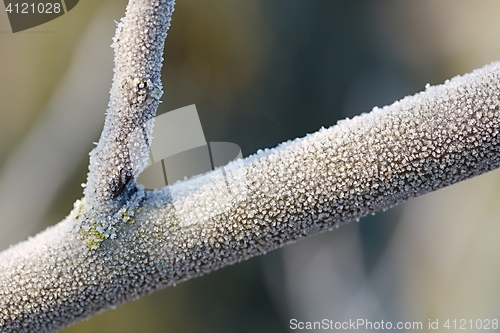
{"x": 91, "y": 237}
{"x": 128, "y": 218}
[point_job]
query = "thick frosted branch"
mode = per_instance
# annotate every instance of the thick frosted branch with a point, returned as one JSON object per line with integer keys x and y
{"x": 422, "y": 143}
{"x": 135, "y": 94}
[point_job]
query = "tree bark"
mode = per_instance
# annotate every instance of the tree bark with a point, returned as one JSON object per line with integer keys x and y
{"x": 121, "y": 242}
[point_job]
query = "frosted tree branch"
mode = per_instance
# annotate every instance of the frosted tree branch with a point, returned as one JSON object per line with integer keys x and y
{"x": 121, "y": 242}
{"x": 135, "y": 93}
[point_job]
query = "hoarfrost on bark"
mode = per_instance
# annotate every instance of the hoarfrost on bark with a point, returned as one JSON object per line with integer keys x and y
{"x": 121, "y": 242}
{"x": 135, "y": 94}
{"x": 433, "y": 139}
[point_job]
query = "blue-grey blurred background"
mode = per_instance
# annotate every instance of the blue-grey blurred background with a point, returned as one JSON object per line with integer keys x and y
{"x": 261, "y": 72}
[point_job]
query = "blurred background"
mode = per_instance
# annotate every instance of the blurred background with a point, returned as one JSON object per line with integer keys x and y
{"x": 261, "y": 72}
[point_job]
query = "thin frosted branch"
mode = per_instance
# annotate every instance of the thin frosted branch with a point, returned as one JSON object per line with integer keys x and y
{"x": 422, "y": 143}
{"x": 119, "y": 158}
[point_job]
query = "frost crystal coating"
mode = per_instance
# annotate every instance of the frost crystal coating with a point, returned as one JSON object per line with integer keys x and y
{"x": 96, "y": 259}
{"x": 135, "y": 94}
{"x": 438, "y": 137}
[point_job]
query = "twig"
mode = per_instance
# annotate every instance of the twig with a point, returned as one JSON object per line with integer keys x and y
{"x": 119, "y": 156}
